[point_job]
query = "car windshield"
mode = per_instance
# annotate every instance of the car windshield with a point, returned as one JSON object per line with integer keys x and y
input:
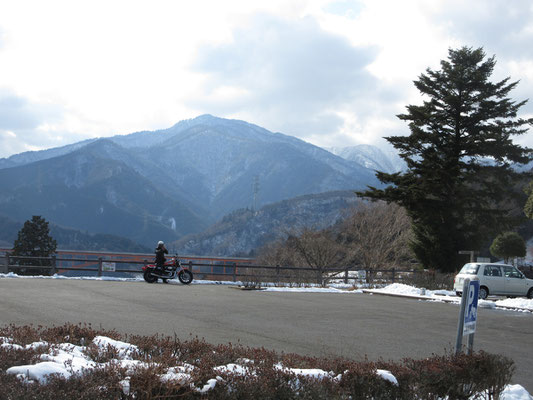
{"x": 470, "y": 269}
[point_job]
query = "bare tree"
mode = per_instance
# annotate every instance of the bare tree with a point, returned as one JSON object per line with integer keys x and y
{"x": 305, "y": 247}
{"x": 373, "y": 236}
{"x": 274, "y": 253}
{"x": 318, "y": 249}
{"x": 277, "y": 253}
{"x": 376, "y": 236}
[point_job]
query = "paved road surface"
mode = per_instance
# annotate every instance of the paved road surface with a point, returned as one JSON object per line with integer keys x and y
{"x": 322, "y": 324}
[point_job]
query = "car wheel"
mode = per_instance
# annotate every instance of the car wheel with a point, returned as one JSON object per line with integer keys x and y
{"x": 460, "y": 294}
{"x": 530, "y": 293}
{"x": 483, "y": 292}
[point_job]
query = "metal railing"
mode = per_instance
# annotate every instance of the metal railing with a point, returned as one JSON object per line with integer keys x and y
{"x": 233, "y": 272}
{"x": 91, "y": 262}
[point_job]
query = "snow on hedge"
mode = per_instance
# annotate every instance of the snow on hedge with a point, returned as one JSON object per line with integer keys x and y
{"x": 67, "y": 360}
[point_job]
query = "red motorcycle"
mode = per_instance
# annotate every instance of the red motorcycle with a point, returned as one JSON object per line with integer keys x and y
{"x": 171, "y": 270}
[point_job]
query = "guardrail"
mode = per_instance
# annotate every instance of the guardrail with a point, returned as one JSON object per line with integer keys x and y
{"x": 233, "y": 272}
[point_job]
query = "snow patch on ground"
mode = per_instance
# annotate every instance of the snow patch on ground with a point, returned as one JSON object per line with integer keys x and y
{"x": 399, "y": 289}
{"x": 516, "y": 303}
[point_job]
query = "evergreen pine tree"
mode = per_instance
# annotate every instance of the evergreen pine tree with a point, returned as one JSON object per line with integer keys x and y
{"x": 528, "y": 207}
{"x": 459, "y": 155}
{"x": 34, "y": 240}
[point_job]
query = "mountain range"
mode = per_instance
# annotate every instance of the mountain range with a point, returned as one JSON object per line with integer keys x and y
{"x": 174, "y": 182}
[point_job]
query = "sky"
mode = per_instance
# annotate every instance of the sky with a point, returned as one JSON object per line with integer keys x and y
{"x": 333, "y": 73}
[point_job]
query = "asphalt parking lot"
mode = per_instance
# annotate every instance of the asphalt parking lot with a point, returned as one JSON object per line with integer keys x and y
{"x": 319, "y": 324}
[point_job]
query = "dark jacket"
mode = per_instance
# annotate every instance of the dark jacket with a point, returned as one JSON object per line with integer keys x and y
{"x": 160, "y": 255}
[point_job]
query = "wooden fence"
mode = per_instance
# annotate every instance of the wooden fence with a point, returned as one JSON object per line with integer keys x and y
{"x": 249, "y": 273}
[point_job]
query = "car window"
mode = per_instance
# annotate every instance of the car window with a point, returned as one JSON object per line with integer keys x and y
{"x": 470, "y": 269}
{"x": 492, "y": 270}
{"x": 511, "y": 272}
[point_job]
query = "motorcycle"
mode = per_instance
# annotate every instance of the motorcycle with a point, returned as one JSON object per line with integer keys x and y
{"x": 171, "y": 269}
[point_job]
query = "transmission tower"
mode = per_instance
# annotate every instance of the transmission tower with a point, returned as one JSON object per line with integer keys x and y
{"x": 255, "y": 187}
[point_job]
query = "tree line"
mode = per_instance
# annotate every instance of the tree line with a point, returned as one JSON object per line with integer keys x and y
{"x": 372, "y": 236}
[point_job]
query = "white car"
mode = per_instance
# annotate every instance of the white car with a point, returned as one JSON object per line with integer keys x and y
{"x": 495, "y": 279}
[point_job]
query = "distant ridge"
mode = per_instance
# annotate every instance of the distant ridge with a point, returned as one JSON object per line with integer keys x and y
{"x": 371, "y": 157}
{"x": 243, "y": 232}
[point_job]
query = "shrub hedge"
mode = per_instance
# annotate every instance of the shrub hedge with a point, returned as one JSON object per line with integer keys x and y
{"x": 480, "y": 375}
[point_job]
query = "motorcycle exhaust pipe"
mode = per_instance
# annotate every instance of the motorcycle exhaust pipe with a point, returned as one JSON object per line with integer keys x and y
{"x": 162, "y": 276}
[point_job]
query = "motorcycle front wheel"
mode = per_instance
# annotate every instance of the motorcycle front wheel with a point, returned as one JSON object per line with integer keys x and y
{"x": 148, "y": 277}
{"x": 185, "y": 276}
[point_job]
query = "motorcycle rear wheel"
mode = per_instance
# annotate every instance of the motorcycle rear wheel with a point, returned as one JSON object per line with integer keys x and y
{"x": 185, "y": 276}
{"x": 148, "y": 277}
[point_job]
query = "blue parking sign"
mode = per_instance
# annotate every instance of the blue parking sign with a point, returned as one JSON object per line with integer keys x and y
{"x": 469, "y": 326}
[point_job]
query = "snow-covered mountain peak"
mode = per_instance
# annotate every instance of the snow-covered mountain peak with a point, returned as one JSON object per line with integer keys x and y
{"x": 371, "y": 157}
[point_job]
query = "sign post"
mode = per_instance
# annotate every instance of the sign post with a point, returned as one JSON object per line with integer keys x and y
{"x": 468, "y": 252}
{"x": 468, "y": 315}
{"x": 108, "y": 266}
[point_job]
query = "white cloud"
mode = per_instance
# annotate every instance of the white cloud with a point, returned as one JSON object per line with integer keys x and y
{"x": 22, "y": 124}
{"x": 332, "y": 72}
{"x": 291, "y": 74}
